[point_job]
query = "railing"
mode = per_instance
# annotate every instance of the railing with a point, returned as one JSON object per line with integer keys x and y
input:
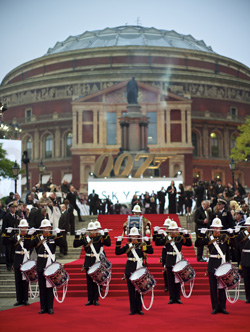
{"x": 217, "y": 116}
{"x": 46, "y": 117}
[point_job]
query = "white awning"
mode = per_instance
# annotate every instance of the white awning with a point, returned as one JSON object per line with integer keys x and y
{"x": 45, "y": 178}
{"x": 67, "y": 177}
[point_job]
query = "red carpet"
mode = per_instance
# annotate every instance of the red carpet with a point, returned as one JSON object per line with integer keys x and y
{"x": 112, "y": 315}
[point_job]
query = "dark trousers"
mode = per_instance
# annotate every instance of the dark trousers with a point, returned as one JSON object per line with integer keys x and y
{"x": 64, "y": 250}
{"x": 134, "y": 297}
{"x": 246, "y": 276}
{"x": 174, "y": 288}
{"x": 218, "y": 302}
{"x": 72, "y": 223}
{"x": 46, "y": 294}
{"x": 161, "y": 210}
{"x": 21, "y": 287}
{"x": 200, "y": 252}
{"x": 9, "y": 255}
{"x": 92, "y": 289}
{"x": 78, "y": 212}
{"x": 165, "y": 278}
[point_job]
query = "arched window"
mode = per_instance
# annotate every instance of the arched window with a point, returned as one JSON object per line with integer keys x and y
{"x": 29, "y": 147}
{"x": 68, "y": 144}
{"x": 195, "y": 144}
{"x": 48, "y": 146}
{"x": 214, "y": 145}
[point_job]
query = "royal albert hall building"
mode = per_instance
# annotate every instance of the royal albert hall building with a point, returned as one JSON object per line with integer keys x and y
{"x": 69, "y": 104}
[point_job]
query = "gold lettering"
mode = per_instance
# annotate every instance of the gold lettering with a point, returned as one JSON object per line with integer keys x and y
{"x": 127, "y": 169}
{"x": 144, "y": 166}
{"x": 108, "y": 167}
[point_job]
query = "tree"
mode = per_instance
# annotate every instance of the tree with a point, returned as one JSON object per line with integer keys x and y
{"x": 241, "y": 152}
{"x": 5, "y": 165}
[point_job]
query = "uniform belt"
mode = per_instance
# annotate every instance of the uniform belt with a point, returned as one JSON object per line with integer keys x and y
{"x": 215, "y": 256}
{"x": 133, "y": 259}
{"x": 90, "y": 255}
{"x": 171, "y": 253}
{"x": 20, "y": 252}
{"x": 246, "y": 250}
{"x": 43, "y": 256}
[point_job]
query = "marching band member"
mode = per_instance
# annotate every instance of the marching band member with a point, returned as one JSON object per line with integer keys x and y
{"x": 173, "y": 243}
{"x": 164, "y": 252}
{"x": 21, "y": 256}
{"x": 217, "y": 245}
{"x": 46, "y": 245}
{"x": 134, "y": 251}
{"x": 243, "y": 239}
{"x": 93, "y": 244}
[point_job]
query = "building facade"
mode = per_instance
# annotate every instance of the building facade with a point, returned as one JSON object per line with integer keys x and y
{"x": 70, "y": 102}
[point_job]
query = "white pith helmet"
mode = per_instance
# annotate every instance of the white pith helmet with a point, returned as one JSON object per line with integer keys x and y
{"x": 173, "y": 225}
{"x": 134, "y": 232}
{"x": 45, "y": 223}
{"x": 216, "y": 223}
{"x": 137, "y": 208}
{"x": 98, "y": 224}
{"x": 23, "y": 223}
{"x": 167, "y": 222}
{"x": 91, "y": 226}
{"x": 247, "y": 222}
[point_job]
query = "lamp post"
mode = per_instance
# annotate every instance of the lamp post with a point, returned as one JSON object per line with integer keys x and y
{"x": 15, "y": 172}
{"x": 232, "y": 166}
{"x": 41, "y": 168}
{"x": 26, "y": 160}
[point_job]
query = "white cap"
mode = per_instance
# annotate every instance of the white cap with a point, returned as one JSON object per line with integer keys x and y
{"x": 216, "y": 223}
{"x": 173, "y": 225}
{"x": 247, "y": 222}
{"x": 167, "y": 222}
{"x": 91, "y": 226}
{"x": 137, "y": 208}
{"x": 23, "y": 223}
{"x": 98, "y": 224}
{"x": 45, "y": 223}
{"x": 134, "y": 231}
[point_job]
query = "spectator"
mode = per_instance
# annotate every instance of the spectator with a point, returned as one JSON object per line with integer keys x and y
{"x": 161, "y": 195}
{"x": 171, "y": 191}
{"x": 181, "y": 198}
{"x": 71, "y": 196}
{"x": 93, "y": 200}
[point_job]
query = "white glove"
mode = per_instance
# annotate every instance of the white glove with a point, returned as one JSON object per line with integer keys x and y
{"x": 9, "y": 229}
{"x": 83, "y": 230}
{"x": 119, "y": 239}
{"x": 184, "y": 231}
{"x": 79, "y": 232}
{"x": 230, "y": 230}
{"x": 57, "y": 230}
{"x": 203, "y": 230}
{"x": 237, "y": 229}
{"x": 31, "y": 231}
{"x": 101, "y": 232}
{"x": 106, "y": 230}
{"x": 156, "y": 228}
{"x": 161, "y": 231}
{"x": 145, "y": 238}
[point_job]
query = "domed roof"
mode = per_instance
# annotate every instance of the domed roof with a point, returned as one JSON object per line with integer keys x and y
{"x": 129, "y": 36}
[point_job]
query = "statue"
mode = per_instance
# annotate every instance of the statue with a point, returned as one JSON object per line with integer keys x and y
{"x": 132, "y": 91}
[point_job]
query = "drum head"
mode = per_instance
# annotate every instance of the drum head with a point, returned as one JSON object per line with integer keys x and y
{"x": 28, "y": 265}
{"x": 51, "y": 269}
{"x": 223, "y": 269}
{"x": 180, "y": 266}
{"x": 138, "y": 273}
{"x": 94, "y": 267}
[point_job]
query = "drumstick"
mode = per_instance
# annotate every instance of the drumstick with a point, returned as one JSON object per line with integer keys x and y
{"x": 211, "y": 229}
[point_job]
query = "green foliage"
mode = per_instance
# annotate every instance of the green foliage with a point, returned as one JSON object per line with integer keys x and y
{"x": 5, "y": 165}
{"x": 241, "y": 152}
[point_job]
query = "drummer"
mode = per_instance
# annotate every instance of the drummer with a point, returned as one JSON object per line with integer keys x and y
{"x": 173, "y": 241}
{"x": 93, "y": 241}
{"x": 217, "y": 244}
{"x": 46, "y": 245}
{"x": 20, "y": 257}
{"x": 243, "y": 239}
{"x": 134, "y": 249}
{"x": 164, "y": 252}
{"x": 146, "y": 223}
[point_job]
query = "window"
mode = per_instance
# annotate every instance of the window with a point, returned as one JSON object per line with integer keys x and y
{"x": 28, "y": 114}
{"x": 214, "y": 145}
{"x": 48, "y": 146}
{"x": 111, "y": 128}
{"x": 29, "y": 147}
{"x": 152, "y": 128}
{"x": 68, "y": 144}
{"x": 195, "y": 144}
{"x": 233, "y": 112}
{"x": 233, "y": 141}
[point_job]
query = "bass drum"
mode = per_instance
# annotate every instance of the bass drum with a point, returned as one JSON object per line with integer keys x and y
{"x": 135, "y": 221}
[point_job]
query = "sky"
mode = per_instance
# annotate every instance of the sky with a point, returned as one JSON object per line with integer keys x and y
{"x": 29, "y": 27}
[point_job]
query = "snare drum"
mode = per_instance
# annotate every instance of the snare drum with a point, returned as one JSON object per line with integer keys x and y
{"x": 29, "y": 270}
{"x": 105, "y": 262}
{"x": 184, "y": 271}
{"x": 227, "y": 276}
{"x": 142, "y": 280}
{"x": 56, "y": 275}
{"x": 99, "y": 273}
